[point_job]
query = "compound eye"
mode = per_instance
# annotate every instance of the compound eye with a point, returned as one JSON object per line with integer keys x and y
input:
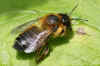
{"x": 52, "y": 19}
{"x": 65, "y": 18}
{"x": 66, "y": 21}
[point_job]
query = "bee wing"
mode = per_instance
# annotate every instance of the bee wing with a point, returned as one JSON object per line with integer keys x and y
{"x": 24, "y": 26}
{"x": 38, "y": 41}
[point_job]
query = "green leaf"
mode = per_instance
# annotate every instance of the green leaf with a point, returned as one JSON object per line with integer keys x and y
{"x": 80, "y": 50}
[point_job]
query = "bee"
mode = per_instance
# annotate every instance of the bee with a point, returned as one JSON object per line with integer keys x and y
{"x": 34, "y": 37}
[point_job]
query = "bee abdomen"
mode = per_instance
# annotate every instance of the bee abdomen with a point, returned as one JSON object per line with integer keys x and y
{"x": 37, "y": 43}
{"x": 24, "y": 40}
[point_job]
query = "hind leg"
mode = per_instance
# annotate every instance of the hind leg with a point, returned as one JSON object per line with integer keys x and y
{"x": 42, "y": 52}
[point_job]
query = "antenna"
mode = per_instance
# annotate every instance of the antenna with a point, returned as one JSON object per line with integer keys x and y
{"x": 75, "y": 18}
{"x": 74, "y": 9}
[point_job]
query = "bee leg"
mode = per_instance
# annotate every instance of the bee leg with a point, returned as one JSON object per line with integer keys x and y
{"x": 43, "y": 53}
{"x": 39, "y": 50}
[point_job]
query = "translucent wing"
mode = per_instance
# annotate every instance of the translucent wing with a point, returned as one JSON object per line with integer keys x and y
{"x": 24, "y": 26}
{"x": 31, "y": 40}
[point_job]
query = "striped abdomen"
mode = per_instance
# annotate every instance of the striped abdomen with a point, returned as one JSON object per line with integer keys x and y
{"x": 31, "y": 39}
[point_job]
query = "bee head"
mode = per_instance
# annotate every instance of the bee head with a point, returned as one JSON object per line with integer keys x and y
{"x": 66, "y": 20}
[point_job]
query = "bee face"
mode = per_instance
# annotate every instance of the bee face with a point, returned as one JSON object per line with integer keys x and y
{"x": 66, "y": 21}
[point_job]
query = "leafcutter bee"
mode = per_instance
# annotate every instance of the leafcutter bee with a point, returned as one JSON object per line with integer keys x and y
{"x": 34, "y": 37}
